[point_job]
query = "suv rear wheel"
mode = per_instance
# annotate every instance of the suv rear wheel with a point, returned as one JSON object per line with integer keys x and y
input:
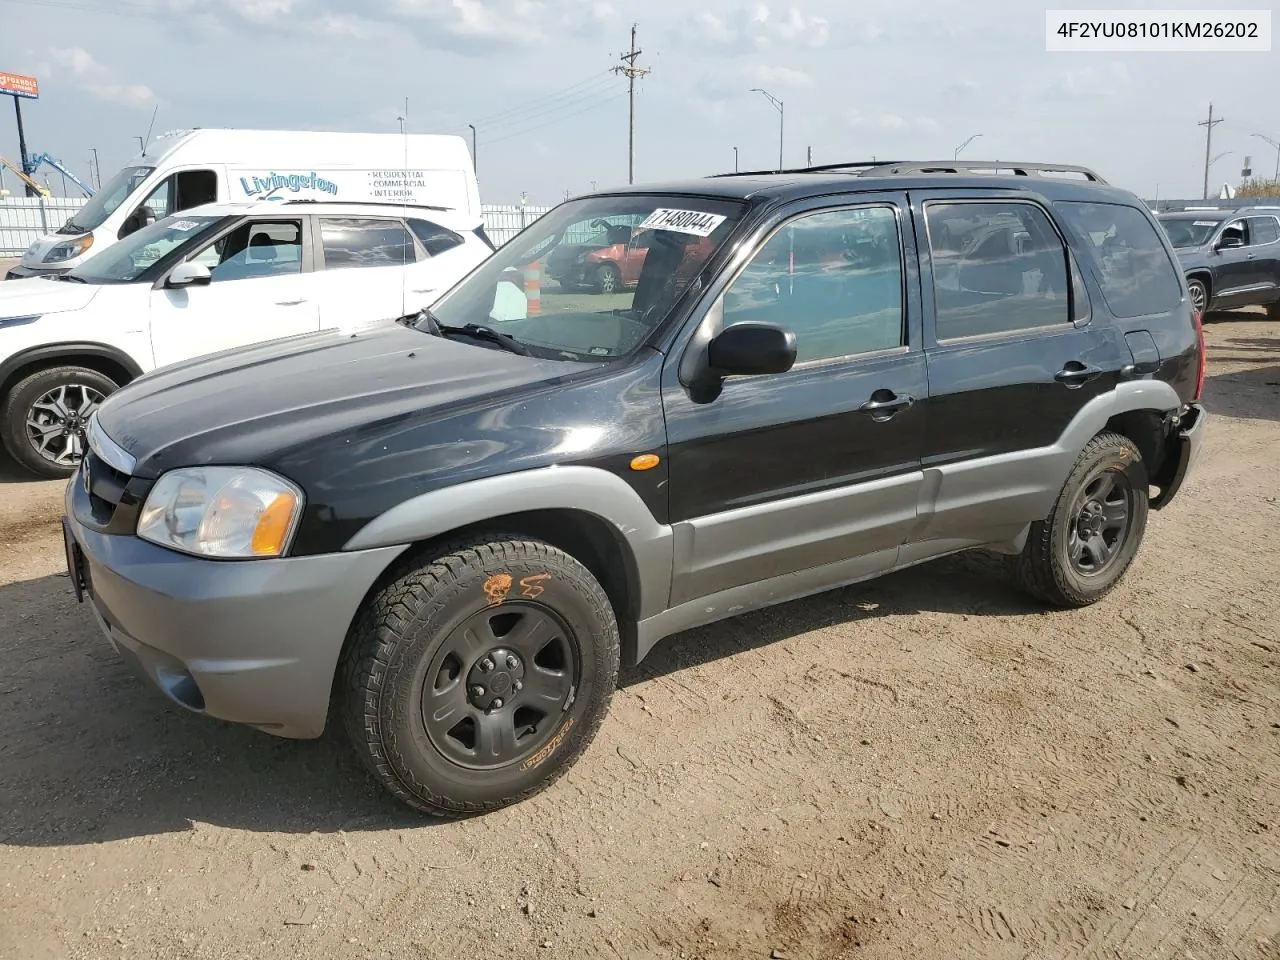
{"x": 43, "y": 419}
{"x": 1199, "y": 295}
{"x": 1076, "y": 555}
{"x": 478, "y": 675}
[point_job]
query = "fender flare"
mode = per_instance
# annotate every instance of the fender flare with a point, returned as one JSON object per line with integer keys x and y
{"x": 54, "y": 351}
{"x": 582, "y": 489}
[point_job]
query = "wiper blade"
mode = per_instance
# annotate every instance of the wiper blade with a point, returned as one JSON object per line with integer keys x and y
{"x": 69, "y": 278}
{"x": 481, "y": 332}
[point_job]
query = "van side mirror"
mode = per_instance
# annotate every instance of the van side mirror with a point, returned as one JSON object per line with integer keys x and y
{"x": 751, "y": 349}
{"x": 189, "y": 274}
{"x": 144, "y": 216}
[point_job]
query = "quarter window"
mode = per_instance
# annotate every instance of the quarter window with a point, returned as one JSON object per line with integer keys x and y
{"x": 354, "y": 242}
{"x": 434, "y": 238}
{"x": 833, "y": 278}
{"x": 997, "y": 268}
{"x": 1133, "y": 267}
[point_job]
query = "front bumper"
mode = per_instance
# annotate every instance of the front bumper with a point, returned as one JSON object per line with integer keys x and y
{"x": 254, "y": 642}
{"x": 1188, "y": 439}
{"x": 20, "y": 272}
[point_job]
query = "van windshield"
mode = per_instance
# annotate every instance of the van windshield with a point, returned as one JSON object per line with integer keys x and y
{"x": 594, "y": 277}
{"x": 126, "y": 261}
{"x": 105, "y": 202}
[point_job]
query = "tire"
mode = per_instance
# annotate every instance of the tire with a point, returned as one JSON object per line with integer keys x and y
{"x": 608, "y": 279}
{"x": 78, "y": 386}
{"x": 421, "y": 640}
{"x": 1045, "y": 569}
{"x": 1199, "y": 295}
{"x": 1273, "y": 310}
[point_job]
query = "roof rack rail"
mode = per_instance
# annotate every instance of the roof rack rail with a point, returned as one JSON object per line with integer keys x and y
{"x": 373, "y": 203}
{"x": 979, "y": 168}
{"x": 821, "y": 168}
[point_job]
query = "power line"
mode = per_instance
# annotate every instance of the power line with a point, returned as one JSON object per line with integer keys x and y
{"x": 564, "y": 92}
{"x": 568, "y": 116}
{"x": 632, "y": 73}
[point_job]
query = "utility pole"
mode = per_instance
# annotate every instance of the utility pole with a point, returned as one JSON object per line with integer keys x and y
{"x": 475, "y": 158}
{"x": 1208, "y": 141}
{"x": 735, "y": 159}
{"x": 808, "y": 157}
{"x": 22, "y": 146}
{"x": 777, "y": 105}
{"x": 632, "y": 73}
{"x": 97, "y": 170}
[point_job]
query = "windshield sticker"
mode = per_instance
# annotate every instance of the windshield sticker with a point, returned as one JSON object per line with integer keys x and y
{"x": 184, "y": 225}
{"x": 1206, "y": 223}
{"x": 693, "y": 222}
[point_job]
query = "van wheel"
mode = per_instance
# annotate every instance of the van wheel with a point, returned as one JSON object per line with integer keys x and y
{"x": 478, "y": 675}
{"x": 43, "y": 419}
{"x": 1076, "y": 555}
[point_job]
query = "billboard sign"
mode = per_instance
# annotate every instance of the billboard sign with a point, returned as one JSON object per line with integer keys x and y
{"x": 19, "y": 85}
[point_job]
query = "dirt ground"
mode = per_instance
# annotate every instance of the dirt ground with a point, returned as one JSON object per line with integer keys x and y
{"x": 925, "y": 766}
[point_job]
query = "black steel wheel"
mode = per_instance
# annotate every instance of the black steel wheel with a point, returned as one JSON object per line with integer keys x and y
{"x": 43, "y": 419}
{"x": 479, "y": 673}
{"x": 1078, "y": 554}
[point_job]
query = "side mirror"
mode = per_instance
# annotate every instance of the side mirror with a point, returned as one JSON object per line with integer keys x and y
{"x": 188, "y": 275}
{"x": 144, "y": 216}
{"x": 751, "y": 349}
{"x": 1230, "y": 239}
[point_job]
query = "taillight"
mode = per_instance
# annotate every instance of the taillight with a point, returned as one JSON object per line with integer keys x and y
{"x": 1203, "y": 358}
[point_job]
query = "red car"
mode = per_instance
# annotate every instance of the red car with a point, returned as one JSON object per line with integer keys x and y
{"x": 612, "y": 260}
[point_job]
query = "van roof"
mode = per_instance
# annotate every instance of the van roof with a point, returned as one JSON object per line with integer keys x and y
{"x": 232, "y": 145}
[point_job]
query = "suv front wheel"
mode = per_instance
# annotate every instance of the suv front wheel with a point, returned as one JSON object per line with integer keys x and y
{"x": 1076, "y": 555}
{"x": 477, "y": 676}
{"x": 43, "y": 419}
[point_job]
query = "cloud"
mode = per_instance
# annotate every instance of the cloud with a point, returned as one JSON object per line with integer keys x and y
{"x": 783, "y": 77}
{"x": 893, "y": 122}
{"x": 759, "y": 28}
{"x": 97, "y": 80}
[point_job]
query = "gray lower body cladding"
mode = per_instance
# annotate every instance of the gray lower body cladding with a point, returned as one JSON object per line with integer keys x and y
{"x": 253, "y": 642}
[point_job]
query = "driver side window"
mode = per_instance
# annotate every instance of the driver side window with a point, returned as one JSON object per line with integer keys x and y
{"x": 834, "y": 279}
{"x": 255, "y": 249}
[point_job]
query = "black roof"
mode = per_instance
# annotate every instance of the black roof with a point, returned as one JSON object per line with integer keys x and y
{"x": 1043, "y": 179}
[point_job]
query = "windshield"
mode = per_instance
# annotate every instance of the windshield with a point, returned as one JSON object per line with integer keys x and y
{"x": 594, "y": 277}
{"x": 104, "y": 203}
{"x": 1189, "y": 232}
{"x": 126, "y": 261}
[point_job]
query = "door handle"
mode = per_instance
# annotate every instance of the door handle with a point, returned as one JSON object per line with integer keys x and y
{"x": 1076, "y": 374}
{"x": 885, "y": 403}
{"x": 289, "y": 303}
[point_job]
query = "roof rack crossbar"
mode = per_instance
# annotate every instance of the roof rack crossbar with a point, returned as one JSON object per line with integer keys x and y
{"x": 820, "y": 168}
{"x": 370, "y": 203}
{"x": 980, "y": 167}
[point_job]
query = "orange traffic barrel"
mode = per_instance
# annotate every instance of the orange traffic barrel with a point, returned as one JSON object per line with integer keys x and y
{"x": 533, "y": 286}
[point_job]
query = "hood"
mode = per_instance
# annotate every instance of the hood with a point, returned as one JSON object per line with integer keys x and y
{"x": 36, "y": 296}
{"x": 253, "y": 404}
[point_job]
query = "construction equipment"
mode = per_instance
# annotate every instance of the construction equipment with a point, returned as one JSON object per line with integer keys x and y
{"x": 49, "y": 160}
{"x": 29, "y": 181}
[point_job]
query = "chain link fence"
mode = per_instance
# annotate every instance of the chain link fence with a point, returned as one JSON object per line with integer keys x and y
{"x": 22, "y": 219}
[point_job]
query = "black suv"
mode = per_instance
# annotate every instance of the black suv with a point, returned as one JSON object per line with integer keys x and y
{"x": 449, "y": 530}
{"x": 1231, "y": 257}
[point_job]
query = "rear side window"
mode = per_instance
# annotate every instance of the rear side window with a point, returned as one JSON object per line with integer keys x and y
{"x": 1263, "y": 230}
{"x": 1134, "y": 270}
{"x": 434, "y": 238}
{"x": 998, "y": 267}
{"x": 356, "y": 242}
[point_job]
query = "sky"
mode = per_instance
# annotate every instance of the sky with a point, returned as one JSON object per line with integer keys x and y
{"x": 871, "y": 78}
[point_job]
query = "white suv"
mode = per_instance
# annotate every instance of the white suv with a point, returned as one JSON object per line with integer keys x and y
{"x": 205, "y": 280}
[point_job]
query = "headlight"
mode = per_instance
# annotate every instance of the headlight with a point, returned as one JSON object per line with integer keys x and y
{"x": 69, "y": 249}
{"x": 225, "y": 512}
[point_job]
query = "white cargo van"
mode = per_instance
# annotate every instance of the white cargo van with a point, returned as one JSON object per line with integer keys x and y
{"x": 197, "y": 167}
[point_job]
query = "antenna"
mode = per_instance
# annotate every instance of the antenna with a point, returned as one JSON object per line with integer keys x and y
{"x": 151, "y": 126}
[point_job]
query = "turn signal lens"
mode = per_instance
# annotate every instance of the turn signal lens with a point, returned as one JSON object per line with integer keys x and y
{"x": 645, "y": 461}
{"x": 272, "y": 531}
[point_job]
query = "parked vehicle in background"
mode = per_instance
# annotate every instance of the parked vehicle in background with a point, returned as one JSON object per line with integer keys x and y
{"x": 1231, "y": 257}
{"x": 608, "y": 261}
{"x": 197, "y": 167}
{"x": 452, "y": 531}
{"x": 211, "y": 278}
